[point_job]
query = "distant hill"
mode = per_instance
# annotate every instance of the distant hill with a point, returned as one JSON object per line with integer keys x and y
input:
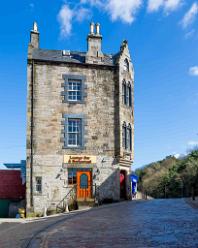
{"x": 170, "y": 177}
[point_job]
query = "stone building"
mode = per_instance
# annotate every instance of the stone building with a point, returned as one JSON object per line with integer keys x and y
{"x": 80, "y": 123}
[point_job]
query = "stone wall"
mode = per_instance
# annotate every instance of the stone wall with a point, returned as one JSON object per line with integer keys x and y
{"x": 100, "y": 112}
{"x": 98, "y": 109}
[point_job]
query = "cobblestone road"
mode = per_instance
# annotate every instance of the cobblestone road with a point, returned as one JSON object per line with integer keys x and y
{"x": 155, "y": 223}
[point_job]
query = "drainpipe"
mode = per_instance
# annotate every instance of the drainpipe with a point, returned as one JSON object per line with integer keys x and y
{"x": 31, "y": 138}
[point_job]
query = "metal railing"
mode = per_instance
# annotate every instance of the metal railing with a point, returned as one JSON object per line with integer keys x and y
{"x": 63, "y": 205}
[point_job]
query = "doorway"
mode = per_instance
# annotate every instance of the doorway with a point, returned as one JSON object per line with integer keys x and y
{"x": 123, "y": 194}
{"x": 84, "y": 184}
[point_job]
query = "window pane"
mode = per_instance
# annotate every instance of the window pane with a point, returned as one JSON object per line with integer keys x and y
{"x": 72, "y": 139}
{"x": 74, "y": 90}
{"x": 79, "y": 86}
{"x": 130, "y": 98}
{"x": 74, "y": 132}
{"x": 129, "y": 141}
{"x": 70, "y": 86}
{"x": 72, "y": 176}
{"x": 126, "y": 65}
{"x": 125, "y": 94}
{"x": 38, "y": 184}
{"x": 124, "y": 137}
{"x": 74, "y": 86}
{"x": 74, "y": 180}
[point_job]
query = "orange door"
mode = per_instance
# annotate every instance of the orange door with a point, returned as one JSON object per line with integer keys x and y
{"x": 84, "y": 184}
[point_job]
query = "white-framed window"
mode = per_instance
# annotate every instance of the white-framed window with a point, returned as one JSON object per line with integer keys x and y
{"x": 74, "y": 132}
{"x": 74, "y": 92}
{"x": 74, "y": 89}
{"x": 38, "y": 185}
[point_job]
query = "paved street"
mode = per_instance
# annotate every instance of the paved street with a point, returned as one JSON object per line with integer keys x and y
{"x": 155, "y": 223}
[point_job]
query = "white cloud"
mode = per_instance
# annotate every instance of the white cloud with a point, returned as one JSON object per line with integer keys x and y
{"x": 82, "y": 14}
{"x": 193, "y": 71}
{"x": 154, "y": 5}
{"x": 123, "y": 10}
{"x": 192, "y": 143}
{"x": 171, "y": 5}
{"x": 93, "y": 2}
{"x": 166, "y": 5}
{"x": 190, "y": 15}
{"x": 65, "y": 16}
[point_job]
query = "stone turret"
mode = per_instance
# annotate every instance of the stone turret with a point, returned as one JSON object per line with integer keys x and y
{"x": 94, "y": 45}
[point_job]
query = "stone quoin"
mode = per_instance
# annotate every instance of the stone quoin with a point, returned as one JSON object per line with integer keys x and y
{"x": 80, "y": 122}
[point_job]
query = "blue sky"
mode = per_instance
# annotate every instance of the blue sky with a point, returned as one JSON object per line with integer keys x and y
{"x": 163, "y": 38}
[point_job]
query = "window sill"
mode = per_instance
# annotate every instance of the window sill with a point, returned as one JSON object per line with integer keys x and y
{"x": 73, "y": 102}
{"x": 73, "y": 147}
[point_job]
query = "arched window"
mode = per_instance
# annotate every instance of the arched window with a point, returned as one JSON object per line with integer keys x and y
{"x": 129, "y": 94}
{"x": 124, "y": 92}
{"x": 84, "y": 181}
{"x": 129, "y": 138}
{"x": 124, "y": 135}
{"x": 126, "y": 65}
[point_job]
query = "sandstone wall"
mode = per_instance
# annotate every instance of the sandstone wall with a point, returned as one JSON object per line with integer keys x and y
{"x": 101, "y": 114}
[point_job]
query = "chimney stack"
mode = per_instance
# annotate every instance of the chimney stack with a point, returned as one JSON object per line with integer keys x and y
{"x": 94, "y": 45}
{"x": 34, "y": 36}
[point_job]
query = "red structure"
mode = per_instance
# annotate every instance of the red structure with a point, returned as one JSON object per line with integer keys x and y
{"x": 11, "y": 186}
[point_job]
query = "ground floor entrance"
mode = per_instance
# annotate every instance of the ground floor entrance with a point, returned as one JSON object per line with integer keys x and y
{"x": 123, "y": 190}
{"x": 82, "y": 180}
{"x": 84, "y": 184}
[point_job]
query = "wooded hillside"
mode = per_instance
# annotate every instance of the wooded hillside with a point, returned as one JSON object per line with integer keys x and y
{"x": 170, "y": 177}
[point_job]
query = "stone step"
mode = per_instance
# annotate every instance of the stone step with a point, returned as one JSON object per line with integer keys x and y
{"x": 86, "y": 203}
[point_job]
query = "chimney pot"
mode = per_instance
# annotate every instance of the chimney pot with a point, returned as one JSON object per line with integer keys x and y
{"x": 35, "y": 27}
{"x": 91, "y": 28}
{"x": 34, "y": 36}
{"x": 98, "y": 28}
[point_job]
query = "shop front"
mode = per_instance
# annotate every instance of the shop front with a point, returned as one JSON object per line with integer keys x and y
{"x": 80, "y": 174}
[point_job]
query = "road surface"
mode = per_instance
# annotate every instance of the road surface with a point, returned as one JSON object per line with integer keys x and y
{"x": 167, "y": 223}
